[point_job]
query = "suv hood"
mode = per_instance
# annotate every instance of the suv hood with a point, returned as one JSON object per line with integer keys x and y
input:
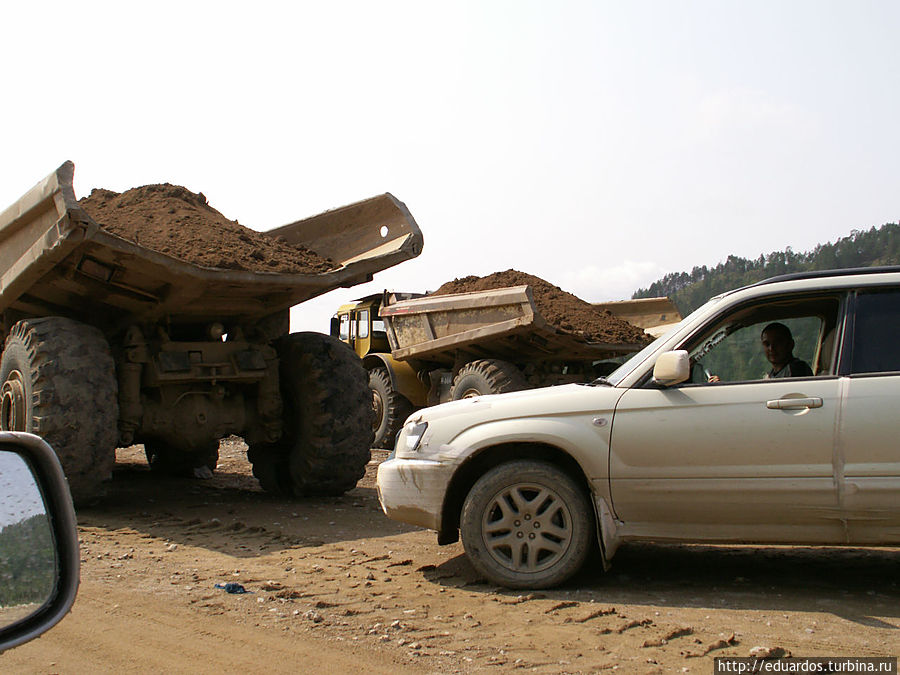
{"x": 569, "y": 399}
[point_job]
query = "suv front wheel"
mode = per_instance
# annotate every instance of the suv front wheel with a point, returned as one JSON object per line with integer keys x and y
{"x": 527, "y": 524}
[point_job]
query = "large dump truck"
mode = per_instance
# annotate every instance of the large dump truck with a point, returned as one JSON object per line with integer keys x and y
{"x": 109, "y": 343}
{"x": 423, "y": 350}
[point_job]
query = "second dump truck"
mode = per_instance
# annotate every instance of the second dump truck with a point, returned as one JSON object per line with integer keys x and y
{"x": 109, "y": 343}
{"x": 423, "y": 350}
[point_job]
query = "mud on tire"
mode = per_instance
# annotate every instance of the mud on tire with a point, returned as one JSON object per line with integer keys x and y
{"x": 59, "y": 382}
{"x": 486, "y": 376}
{"x": 391, "y": 408}
{"x": 328, "y": 420}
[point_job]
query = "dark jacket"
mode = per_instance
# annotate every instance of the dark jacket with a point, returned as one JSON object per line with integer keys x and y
{"x": 794, "y": 368}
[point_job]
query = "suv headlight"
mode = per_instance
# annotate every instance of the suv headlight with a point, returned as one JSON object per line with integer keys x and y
{"x": 412, "y": 435}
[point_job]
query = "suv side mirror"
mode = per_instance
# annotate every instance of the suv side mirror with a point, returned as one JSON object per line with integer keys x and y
{"x": 672, "y": 368}
{"x": 39, "y": 557}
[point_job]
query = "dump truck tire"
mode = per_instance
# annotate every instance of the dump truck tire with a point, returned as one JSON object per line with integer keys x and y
{"x": 59, "y": 382}
{"x": 168, "y": 461}
{"x": 270, "y": 467}
{"x": 327, "y": 420}
{"x": 486, "y": 376}
{"x": 272, "y": 327}
{"x": 391, "y": 408}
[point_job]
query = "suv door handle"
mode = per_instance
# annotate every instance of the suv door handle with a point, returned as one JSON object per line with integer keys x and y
{"x": 794, "y": 403}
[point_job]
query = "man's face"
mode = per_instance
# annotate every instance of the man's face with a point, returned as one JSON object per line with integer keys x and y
{"x": 777, "y": 346}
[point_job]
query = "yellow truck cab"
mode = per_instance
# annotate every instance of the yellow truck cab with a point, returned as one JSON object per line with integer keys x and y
{"x": 396, "y": 387}
{"x": 357, "y": 324}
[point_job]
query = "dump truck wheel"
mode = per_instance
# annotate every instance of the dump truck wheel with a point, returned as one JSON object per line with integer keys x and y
{"x": 59, "y": 382}
{"x": 486, "y": 376}
{"x": 272, "y": 327}
{"x": 327, "y": 418}
{"x": 166, "y": 460}
{"x": 270, "y": 467}
{"x": 391, "y": 408}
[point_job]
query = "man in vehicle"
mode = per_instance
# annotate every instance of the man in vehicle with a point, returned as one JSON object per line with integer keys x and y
{"x": 778, "y": 345}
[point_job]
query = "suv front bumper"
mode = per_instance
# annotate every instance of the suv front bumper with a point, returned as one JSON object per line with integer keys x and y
{"x": 412, "y": 490}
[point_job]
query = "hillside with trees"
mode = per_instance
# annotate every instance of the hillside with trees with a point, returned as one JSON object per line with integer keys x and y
{"x": 27, "y": 562}
{"x": 689, "y": 290}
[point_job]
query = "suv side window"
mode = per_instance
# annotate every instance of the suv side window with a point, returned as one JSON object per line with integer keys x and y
{"x": 740, "y": 356}
{"x": 876, "y": 348}
{"x": 731, "y": 350}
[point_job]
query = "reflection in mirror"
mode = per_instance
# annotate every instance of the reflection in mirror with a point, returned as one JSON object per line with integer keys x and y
{"x": 28, "y": 565}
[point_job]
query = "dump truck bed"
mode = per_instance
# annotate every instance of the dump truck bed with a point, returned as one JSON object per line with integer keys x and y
{"x": 654, "y": 315}
{"x": 502, "y": 323}
{"x": 56, "y": 260}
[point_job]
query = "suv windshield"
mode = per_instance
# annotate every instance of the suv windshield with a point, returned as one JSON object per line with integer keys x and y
{"x": 625, "y": 369}
{"x": 619, "y": 373}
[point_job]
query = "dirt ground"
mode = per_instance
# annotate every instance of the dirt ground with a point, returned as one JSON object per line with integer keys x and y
{"x": 337, "y": 587}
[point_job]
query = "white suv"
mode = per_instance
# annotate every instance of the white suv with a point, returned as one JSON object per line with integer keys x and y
{"x": 703, "y": 436}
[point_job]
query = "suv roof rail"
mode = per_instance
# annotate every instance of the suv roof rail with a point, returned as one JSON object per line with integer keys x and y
{"x": 814, "y": 274}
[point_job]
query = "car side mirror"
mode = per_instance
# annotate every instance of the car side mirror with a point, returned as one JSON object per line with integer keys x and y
{"x": 672, "y": 368}
{"x": 39, "y": 557}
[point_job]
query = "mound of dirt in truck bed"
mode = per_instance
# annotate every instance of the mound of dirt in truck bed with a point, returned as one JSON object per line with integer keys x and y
{"x": 175, "y": 221}
{"x": 560, "y": 309}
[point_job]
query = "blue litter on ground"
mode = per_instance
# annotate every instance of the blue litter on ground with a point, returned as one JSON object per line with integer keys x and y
{"x": 233, "y": 587}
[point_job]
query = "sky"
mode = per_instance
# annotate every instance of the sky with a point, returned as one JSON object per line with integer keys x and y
{"x": 21, "y": 497}
{"x": 598, "y": 145}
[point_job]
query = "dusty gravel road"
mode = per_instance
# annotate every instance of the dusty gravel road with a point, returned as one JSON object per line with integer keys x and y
{"x": 336, "y": 587}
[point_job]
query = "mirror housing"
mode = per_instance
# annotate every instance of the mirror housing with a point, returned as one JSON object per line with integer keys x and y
{"x": 672, "y": 368}
{"x": 50, "y": 482}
